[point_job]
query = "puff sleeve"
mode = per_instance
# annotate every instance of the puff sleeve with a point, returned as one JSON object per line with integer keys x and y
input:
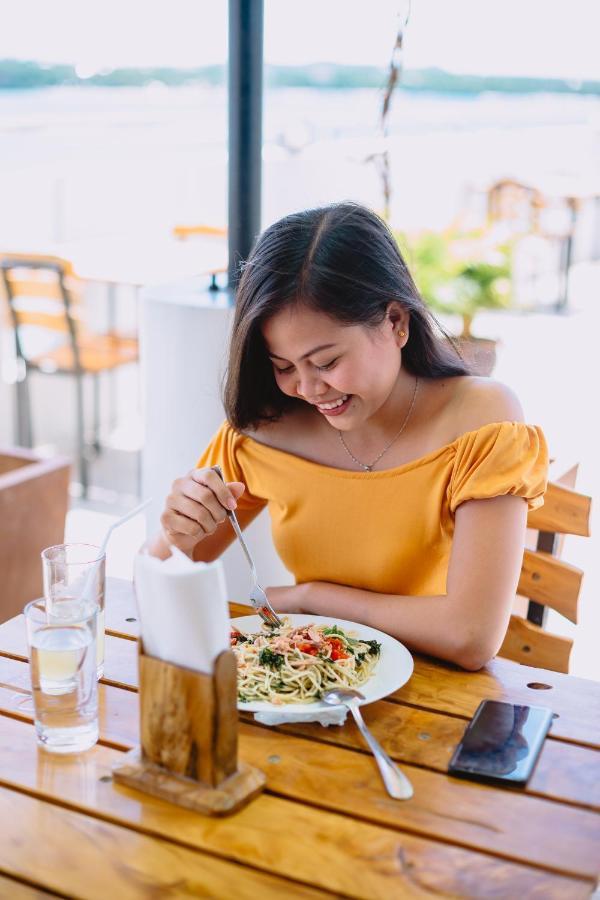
{"x": 224, "y": 450}
{"x": 498, "y": 459}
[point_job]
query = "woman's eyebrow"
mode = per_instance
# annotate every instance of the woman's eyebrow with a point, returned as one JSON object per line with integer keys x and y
{"x": 310, "y": 352}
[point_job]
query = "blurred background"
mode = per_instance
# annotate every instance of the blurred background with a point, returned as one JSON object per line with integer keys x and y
{"x": 474, "y": 128}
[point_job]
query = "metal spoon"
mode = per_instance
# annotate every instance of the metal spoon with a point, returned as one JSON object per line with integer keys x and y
{"x": 397, "y": 784}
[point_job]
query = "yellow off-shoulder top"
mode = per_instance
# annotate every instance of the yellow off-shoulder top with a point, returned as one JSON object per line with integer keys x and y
{"x": 388, "y": 531}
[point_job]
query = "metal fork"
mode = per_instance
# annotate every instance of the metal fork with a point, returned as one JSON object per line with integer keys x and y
{"x": 258, "y": 598}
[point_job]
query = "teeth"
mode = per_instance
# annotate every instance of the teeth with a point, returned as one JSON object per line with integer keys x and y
{"x": 333, "y": 405}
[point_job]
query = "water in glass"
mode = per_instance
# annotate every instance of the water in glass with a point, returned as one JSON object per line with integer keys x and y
{"x": 64, "y": 683}
{"x": 70, "y": 572}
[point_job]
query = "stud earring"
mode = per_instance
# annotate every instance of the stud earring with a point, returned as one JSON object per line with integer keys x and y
{"x": 402, "y": 334}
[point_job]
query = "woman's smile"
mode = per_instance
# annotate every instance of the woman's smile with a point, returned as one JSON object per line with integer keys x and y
{"x": 335, "y": 407}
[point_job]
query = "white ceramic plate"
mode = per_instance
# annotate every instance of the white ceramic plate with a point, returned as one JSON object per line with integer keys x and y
{"x": 394, "y": 668}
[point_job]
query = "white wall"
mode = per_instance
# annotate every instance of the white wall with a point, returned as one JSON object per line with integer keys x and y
{"x": 183, "y": 337}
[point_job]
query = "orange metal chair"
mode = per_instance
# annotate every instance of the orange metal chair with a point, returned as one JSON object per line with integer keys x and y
{"x": 44, "y": 300}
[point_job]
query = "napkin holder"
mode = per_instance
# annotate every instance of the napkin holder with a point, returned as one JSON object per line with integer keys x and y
{"x": 188, "y": 751}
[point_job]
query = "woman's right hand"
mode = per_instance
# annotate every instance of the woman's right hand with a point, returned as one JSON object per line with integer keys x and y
{"x": 196, "y": 506}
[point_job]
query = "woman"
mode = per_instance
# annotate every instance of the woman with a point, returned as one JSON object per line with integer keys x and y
{"x": 398, "y": 484}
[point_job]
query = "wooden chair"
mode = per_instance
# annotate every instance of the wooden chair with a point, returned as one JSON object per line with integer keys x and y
{"x": 548, "y": 582}
{"x": 44, "y": 294}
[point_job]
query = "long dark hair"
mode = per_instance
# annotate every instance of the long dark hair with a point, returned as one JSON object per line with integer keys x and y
{"x": 341, "y": 260}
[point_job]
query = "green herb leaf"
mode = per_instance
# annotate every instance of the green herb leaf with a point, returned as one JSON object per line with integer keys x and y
{"x": 270, "y": 659}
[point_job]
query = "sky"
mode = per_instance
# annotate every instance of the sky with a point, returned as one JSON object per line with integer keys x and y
{"x": 506, "y": 37}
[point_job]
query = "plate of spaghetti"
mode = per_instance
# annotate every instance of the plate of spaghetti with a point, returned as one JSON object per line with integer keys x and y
{"x": 295, "y": 664}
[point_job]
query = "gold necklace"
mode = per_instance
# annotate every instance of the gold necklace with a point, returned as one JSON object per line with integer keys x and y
{"x": 369, "y": 468}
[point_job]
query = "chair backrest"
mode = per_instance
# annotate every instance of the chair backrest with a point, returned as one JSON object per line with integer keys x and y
{"x": 548, "y": 582}
{"x": 41, "y": 292}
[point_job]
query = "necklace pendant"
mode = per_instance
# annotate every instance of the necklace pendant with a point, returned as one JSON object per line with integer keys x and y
{"x": 363, "y": 466}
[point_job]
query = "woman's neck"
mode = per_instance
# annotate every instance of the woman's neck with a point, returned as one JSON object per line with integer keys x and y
{"x": 395, "y": 413}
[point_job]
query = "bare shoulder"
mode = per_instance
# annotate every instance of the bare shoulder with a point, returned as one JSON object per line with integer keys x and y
{"x": 268, "y": 433}
{"x": 482, "y": 401}
{"x": 289, "y": 433}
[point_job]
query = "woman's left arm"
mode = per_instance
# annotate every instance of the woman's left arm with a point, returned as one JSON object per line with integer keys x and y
{"x": 467, "y": 624}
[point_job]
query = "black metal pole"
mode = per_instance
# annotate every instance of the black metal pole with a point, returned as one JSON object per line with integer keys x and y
{"x": 245, "y": 129}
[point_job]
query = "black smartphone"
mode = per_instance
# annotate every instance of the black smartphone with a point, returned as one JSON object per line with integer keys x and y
{"x": 501, "y": 742}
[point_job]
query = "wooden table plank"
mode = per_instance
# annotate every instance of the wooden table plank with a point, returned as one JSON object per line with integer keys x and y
{"x": 576, "y": 701}
{"x": 17, "y": 890}
{"x": 349, "y": 783}
{"x": 564, "y": 772}
{"x": 80, "y": 856}
{"x": 121, "y": 610}
{"x": 444, "y": 808}
{"x": 339, "y": 854}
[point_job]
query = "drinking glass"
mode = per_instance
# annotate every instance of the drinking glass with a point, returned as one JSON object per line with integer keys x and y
{"x": 62, "y": 657}
{"x": 74, "y": 576}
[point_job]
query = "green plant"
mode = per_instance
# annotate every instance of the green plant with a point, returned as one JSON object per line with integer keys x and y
{"x": 458, "y": 273}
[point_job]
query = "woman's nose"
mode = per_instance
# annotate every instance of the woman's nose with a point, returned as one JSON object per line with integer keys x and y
{"x": 310, "y": 385}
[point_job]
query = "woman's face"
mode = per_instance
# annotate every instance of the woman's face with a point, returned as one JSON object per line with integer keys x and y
{"x": 347, "y": 372}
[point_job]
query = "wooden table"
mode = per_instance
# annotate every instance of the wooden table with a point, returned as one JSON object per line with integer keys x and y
{"x": 324, "y": 826}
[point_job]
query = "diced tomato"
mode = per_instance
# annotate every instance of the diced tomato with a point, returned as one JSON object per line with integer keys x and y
{"x": 338, "y": 650}
{"x": 308, "y": 648}
{"x": 335, "y": 643}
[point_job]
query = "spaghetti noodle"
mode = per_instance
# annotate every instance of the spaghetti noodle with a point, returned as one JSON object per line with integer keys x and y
{"x": 297, "y": 665}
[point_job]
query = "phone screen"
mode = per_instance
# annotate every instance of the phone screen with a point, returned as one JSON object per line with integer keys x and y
{"x": 501, "y": 742}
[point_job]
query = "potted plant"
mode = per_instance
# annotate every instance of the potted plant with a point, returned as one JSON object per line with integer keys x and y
{"x": 460, "y": 274}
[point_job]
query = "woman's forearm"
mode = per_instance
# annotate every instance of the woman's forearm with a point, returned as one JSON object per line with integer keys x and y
{"x": 426, "y": 624}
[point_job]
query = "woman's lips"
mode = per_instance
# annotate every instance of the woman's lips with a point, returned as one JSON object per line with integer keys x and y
{"x": 338, "y": 410}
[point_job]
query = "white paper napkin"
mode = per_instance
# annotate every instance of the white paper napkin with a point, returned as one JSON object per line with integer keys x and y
{"x": 335, "y": 715}
{"x": 183, "y": 611}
